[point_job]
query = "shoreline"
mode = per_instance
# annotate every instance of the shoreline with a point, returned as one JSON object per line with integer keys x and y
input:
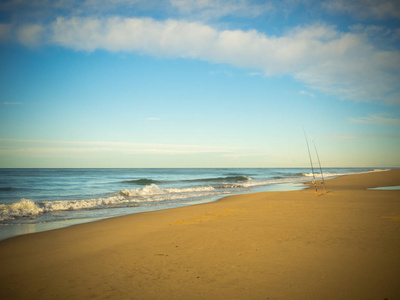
{"x": 41, "y": 223}
{"x": 281, "y": 245}
{"x": 23, "y": 229}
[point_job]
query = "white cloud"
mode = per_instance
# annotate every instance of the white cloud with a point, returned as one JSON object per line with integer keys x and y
{"x": 325, "y": 59}
{"x": 344, "y": 64}
{"x": 377, "y": 119}
{"x": 168, "y": 38}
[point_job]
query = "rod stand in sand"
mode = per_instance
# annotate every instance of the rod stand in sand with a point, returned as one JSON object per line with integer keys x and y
{"x": 320, "y": 168}
{"x": 312, "y": 167}
{"x": 315, "y": 186}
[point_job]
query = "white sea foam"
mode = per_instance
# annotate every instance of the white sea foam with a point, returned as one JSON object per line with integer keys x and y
{"x": 191, "y": 190}
{"x": 153, "y": 189}
{"x": 252, "y": 183}
{"x": 329, "y": 175}
{"x": 23, "y": 208}
{"x": 326, "y": 175}
{"x": 50, "y": 206}
{"x": 151, "y": 193}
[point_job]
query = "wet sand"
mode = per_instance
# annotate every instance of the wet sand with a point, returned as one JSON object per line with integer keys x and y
{"x": 274, "y": 245}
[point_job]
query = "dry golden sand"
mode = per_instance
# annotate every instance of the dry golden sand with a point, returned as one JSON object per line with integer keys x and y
{"x": 275, "y": 245}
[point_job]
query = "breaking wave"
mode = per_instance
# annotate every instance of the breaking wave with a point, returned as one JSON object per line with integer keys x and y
{"x": 153, "y": 189}
{"x": 27, "y": 208}
{"x": 24, "y": 208}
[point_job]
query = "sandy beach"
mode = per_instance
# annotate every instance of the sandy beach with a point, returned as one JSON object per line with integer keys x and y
{"x": 344, "y": 244}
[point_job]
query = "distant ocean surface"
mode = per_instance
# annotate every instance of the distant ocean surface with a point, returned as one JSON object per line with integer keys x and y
{"x": 33, "y": 200}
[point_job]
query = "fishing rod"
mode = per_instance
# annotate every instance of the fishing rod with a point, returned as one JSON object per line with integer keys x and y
{"x": 320, "y": 168}
{"x": 312, "y": 167}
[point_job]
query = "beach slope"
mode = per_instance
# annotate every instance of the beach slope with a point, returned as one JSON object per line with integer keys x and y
{"x": 274, "y": 245}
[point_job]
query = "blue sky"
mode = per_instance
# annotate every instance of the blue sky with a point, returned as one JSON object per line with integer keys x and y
{"x": 197, "y": 83}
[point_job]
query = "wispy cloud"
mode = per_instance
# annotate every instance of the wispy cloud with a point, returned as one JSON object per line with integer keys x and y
{"x": 359, "y": 137}
{"x": 219, "y": 8}
{"x": 221, "y": 72}
{"x": 237, "y": 156}
{"x": 307, "y": 93}
{"x": 203, "y": 9}
{"x": 382, "y": 9}
{"x": 377, "y": 119}
{"x": 195, "y": 9}
{"x": 12, "y": 145}
{"x": 255, "y": 74}
{"x": 30, "y": 35}
{"x": 12, "y": 103}
{"x": 5, "y": 31}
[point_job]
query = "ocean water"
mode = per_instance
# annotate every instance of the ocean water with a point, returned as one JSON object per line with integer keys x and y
{"x": 33, "y": 200}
